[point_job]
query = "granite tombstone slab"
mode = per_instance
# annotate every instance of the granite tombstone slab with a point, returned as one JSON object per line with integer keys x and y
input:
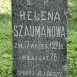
{"x": 39, "y": 30}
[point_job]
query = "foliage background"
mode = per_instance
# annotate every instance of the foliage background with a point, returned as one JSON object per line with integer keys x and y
{"x": 6, "y": 39}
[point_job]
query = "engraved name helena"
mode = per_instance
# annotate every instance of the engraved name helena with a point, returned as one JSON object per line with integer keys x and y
{"x": 39, "y": 15}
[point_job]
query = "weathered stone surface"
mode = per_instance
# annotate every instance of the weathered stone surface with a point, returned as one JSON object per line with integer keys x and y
{"x": 39, "y": 38}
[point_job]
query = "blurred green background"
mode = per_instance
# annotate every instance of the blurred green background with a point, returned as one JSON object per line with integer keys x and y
{"x": 6, "y": 39}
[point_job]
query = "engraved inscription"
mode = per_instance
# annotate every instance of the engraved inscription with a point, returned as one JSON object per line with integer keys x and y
{"x": 39, "y": 38}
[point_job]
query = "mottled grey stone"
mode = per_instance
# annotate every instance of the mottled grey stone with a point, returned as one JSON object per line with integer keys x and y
{"x": 39, "y": 38}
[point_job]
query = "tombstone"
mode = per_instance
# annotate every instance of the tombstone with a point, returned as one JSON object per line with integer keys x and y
{"x": 39, "y": 30}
